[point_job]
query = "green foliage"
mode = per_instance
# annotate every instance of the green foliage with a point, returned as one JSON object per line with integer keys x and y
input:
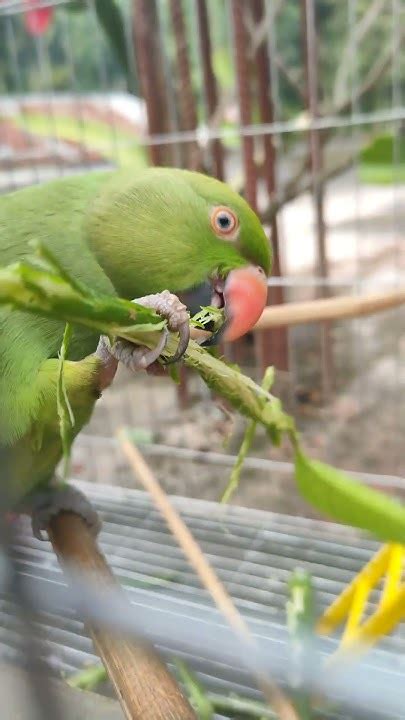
{"x": 350, "y": 502}
{"x": 112, "y": 23}
{"x": 301, "y": 604}
{"x": 209, "y": 318}
{"x": 301, "y": 626}
{"x": 89, "y": 678}
{"x": 384, "y": 150}
{"x": 195, "y": 692}
{"x": 224, "y": 67}
{"x": 94, "y": 134}
{"x": 98, "y": 59}
{"x": 383, "y": 161}
{"x": 380, "y": 174}
{"x": 234, "y": 479}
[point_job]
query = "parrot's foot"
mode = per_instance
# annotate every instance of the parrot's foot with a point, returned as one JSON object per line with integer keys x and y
{"x": 63, "y": 498}
{"x": 140, "y": 358}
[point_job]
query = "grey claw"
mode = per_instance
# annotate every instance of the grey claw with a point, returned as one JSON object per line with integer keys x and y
{"x": 151, "y": 356}
{"x": 65, "y": 498}
{"x": 184, "y": 333}
{"x": 134, "y": 358}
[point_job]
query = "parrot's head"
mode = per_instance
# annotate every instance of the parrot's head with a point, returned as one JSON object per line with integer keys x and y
{"x": 185, "y": 232}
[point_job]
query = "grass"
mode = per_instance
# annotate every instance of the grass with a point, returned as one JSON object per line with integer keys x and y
{"x": 381, "y": 174}
{"x": 377, "y": 165}
{"x": 92, "y": 134}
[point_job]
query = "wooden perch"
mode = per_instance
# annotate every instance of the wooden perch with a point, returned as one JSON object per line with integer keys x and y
{"x": 144, "y": 686}
{"x": 329, "y": 309}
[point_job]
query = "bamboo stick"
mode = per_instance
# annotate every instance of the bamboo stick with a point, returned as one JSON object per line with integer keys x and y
{"x": 273, "y": 694}
{"x": 144, "y": 687}
{"x": 329, "y": 309}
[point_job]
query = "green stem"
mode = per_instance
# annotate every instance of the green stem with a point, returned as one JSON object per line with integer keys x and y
{"x": 248, "y": 438}
{"x": 89, "y": 678}
{"x": 52, "y": 294}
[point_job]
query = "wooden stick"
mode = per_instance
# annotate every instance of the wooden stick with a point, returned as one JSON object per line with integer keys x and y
{"x": 329, "y": 309}
{"x": 143, "y": 684}
{"x": 273, "y": 694}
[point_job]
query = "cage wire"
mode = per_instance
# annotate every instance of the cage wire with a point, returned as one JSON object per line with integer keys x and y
{"x": 63, "y": 112}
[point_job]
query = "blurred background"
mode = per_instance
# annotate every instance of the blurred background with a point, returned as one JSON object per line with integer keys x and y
{"x": 298, "y": 104}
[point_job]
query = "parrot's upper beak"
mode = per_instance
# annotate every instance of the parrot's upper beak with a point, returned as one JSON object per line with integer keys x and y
{"x": 243, "y": 295}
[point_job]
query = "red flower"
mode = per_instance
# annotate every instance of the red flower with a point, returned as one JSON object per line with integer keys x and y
{"x": 37, "y": 21}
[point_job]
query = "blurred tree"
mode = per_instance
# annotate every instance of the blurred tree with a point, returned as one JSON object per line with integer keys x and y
{"x": 22, "y": 35}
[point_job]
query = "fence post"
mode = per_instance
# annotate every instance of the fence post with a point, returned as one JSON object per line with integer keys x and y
{"x": 185, "y": 95}
{"x": 243, "y": 80}
{"x": 210, "y": 84}
{"x": 272, "y": 348}
{"x": 310, "y": 51}
{"x": 151, "y": 75}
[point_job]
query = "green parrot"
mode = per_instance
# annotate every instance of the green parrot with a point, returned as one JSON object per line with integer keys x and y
{"x": 171, "y": 239}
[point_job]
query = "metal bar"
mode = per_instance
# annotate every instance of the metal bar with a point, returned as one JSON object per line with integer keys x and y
{"x": 249, "y": 130}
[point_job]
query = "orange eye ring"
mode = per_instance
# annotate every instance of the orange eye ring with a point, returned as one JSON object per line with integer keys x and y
{"x": 224, "y": 222}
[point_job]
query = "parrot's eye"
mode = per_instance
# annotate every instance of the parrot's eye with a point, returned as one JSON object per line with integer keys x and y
{"x": 224, "y": 222}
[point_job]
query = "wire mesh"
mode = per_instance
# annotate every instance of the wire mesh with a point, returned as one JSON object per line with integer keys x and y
{"x": 62, "y": 112}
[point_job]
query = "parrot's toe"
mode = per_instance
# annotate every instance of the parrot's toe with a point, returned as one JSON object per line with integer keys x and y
{"x": 184, "y": 337}
{"x": 175, "y": 312}
{"x": 135, "y": 357}
{"x": 65, "y": 498}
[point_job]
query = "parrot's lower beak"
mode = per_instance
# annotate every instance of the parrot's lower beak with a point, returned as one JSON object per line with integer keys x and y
{"x": 242, "y": 295}
{"x": 245, "y": 297}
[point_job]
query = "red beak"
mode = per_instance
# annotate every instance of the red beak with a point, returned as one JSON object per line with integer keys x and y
{"x": 245, "y": 295}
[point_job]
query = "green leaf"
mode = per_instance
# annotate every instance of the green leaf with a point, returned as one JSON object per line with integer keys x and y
{"x": 300, "y": 623}
{"x": 174, "y": 372}
{"x": 234, "y": 479}
{"x": 111, "y": 20}
{"x": 348, "y": 501}
{"x": 196, "y": 693}
{"x": 300, "y": 605}
{"x": 89, "y": 678}
{"x": 208, "y": 316}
